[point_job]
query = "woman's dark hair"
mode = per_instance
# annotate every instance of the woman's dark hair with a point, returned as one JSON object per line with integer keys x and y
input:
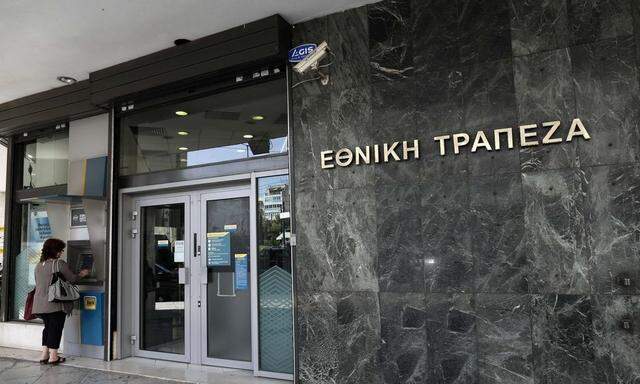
{"x": 51, "y": 248}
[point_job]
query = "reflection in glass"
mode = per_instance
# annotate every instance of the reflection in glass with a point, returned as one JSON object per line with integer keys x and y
{"x": 215, "y": 128}
{"x": 274, "y": 275}
{"x": 162, "y": 318}
{"x": 229, "y": 291}
{"x": 45, "y": 161}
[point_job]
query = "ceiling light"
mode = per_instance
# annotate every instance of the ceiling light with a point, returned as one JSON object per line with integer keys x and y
{"x": 257, "y": 117}
{"x": 183, "y": 149}
{"x": 183, "y": 133}
{"x": 183, "y": 160}
{"x": 67, "y": 79}
{"x": 182, "y": 113}
{"x": 241, "y": 150}
{"x": 248, "y": 136}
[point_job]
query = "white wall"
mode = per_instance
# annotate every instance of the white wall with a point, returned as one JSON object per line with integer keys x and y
{"x": 89, "y": 137}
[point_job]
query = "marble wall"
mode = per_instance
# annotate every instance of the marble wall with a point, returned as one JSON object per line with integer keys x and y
{"x": 492, "y": 267}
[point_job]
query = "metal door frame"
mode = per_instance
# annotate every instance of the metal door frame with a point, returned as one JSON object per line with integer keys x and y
{"x": 192, "y": 189}
{"x": 150, "y": 201}
{"x": 204, "y": 197}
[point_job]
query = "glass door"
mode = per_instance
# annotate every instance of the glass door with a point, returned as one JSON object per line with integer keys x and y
{"x": 161, "y": 267}
{"x": 225, "y": 243}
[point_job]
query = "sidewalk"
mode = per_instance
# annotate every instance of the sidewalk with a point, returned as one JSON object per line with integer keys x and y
{"x": 19, "y": 366}
{"x": 28, "y": 372}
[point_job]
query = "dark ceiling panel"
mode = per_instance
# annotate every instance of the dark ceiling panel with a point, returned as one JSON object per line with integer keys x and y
{"x": 48, "y": 107}
{"x": 258, "y": 42}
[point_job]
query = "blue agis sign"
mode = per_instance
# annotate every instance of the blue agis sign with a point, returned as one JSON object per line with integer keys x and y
{"x": 298, "y": 53}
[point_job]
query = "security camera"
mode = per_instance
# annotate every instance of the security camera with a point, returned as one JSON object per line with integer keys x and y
{"x": 313, "y": 60}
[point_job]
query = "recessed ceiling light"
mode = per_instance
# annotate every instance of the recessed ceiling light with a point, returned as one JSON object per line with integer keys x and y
{"x": 67, "y": 79}
{"x": 240, "y": 150}
{"x": 183, "y": 160}
{"x": 183, "y": 133}
{"x": 183, "y": 149}
{"x": 257, "y": 117}
{"x": 248, "y": 136}
{"x": 182, "y": 113}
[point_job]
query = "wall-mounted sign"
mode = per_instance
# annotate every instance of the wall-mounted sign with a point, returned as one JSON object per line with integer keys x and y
{"x": 78, "y": 217}
{"x": 298, "y": 53}
{"x": 218, "y": 249}
{"x": 498, "y": 139}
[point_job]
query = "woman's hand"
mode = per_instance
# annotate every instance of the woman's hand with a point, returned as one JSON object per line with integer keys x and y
{"x": 83, "y": 273}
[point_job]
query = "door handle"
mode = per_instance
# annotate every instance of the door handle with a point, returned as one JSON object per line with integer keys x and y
{"x": 195, "y": 245}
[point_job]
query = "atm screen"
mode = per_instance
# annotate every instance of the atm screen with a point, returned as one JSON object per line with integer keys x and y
{"x": 86, "y": 261}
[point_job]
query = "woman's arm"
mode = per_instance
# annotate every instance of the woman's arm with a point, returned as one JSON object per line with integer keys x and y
{"x": 67, "y": 272}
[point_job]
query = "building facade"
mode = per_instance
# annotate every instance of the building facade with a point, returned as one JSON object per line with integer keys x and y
{"x": 459, "y": 204}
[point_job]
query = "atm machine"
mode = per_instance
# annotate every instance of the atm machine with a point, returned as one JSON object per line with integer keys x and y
{"x": 83, "y": 331}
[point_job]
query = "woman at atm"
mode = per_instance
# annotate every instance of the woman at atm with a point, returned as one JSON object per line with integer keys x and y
{"x": 52, "y": 313}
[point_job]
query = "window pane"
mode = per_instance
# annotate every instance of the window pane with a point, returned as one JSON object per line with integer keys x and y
{"x": 274, "y": 275}
{"x": 46, "y": 161}
{"x": 36, "y": 229}
{"x": 232, "y": 125}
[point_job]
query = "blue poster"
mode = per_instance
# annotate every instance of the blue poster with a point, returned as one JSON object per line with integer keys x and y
{"x": 242, "y": 275}
{"x": 40, "y": 227}
{"x": 218, "y": 249}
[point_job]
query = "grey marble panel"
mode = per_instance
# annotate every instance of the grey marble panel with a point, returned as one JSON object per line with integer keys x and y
{"x": 538, "y": 26}
{"x": 593, "y": 20}
{"x": 312, "y": 31}
{"x": 394, "y": 119}
{"x": 489, "y": 104}
{"x": 555, "y": 231}
{"x": 451, "y": 339}
{"x": 449, "y": 264}
{"x": 616, "y": 349}
{"x": 545, "y": 92}
{"x": 435, "y": 34}
{"x": 317, "y": 343}
{"x": 399, "y": 244}
{"x": 390, "y": 44}
{"x": 351, "y": 230}
{"x": 403, "y": 351}
{"x": 563, "y": 339}
{"x": 504, "y": 338}
{"x": 485, "y": 30}
{"x": 316, "y": 268}
{"x": 607, "y": 94}
{"x": 614, "y": 226}
{"x": 348, "y": 38}
{"x": 358, "y": 337}
{"x": 440, "y": 111}
{"x": 311, "y": 135}
{"x": 350, "y": 127}
{"x": 497, "y": 234}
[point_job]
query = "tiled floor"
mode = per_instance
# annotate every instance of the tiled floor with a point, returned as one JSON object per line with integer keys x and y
{"x": 21, "y": 367}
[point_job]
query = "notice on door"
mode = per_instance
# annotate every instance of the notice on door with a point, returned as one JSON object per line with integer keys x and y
{"x": 242, "y": 271}
{"x": 178, "y": 251}
{"x": 218, "y": 249}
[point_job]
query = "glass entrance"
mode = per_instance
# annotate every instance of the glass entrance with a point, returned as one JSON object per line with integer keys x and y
{"x": 161, "y": 267}
{"x": 162, "y": 322}
{"x": 226, "y": 234}
{"x": 212, "y": 277}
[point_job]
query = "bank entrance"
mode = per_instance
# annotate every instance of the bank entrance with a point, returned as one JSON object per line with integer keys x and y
{"x": 193, "y": 255}
{"x": 204, "y": 228}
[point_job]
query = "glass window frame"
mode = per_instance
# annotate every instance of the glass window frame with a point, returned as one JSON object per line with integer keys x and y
{"x": 16, "y": 198}
{"x": 182, "y": 94}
